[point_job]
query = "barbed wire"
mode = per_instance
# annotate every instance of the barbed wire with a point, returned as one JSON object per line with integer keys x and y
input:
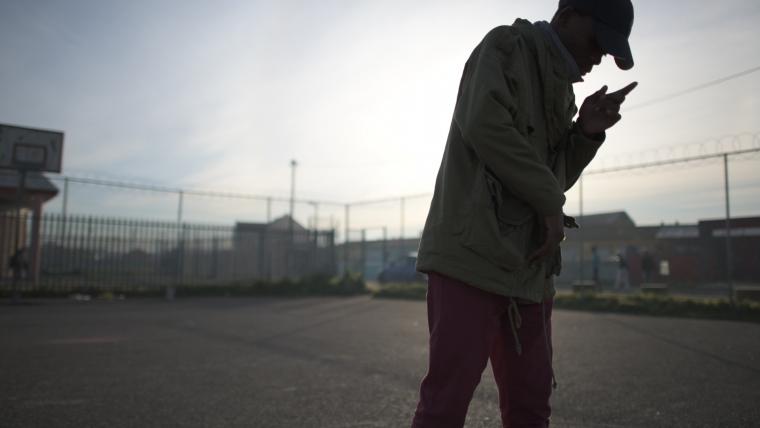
{"x": 744, "y": 146}
{"x": 183, "y": 191}
{"x": 734, "y": 146}
{"x": 740, "y": 147}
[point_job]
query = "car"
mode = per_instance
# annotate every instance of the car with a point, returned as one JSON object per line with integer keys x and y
{"x": 402, "y": 270}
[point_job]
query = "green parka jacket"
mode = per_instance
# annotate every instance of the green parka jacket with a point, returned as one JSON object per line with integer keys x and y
{"x": 512, "y": 152}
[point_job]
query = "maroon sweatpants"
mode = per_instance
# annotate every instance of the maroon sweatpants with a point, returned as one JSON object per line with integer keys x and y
{"x": 467, "y": 327}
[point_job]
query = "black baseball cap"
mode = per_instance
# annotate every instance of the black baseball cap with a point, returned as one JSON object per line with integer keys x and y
{"x": 613, "y": 20}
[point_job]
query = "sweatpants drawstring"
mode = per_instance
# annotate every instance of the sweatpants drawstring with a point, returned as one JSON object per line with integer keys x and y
{"x": 549, "y": 352}
{"x": 515, "y": 321}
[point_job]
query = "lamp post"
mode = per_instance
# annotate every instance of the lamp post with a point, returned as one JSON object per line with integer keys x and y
{"x": 291, "y": 221}
{"x": 293, "y": 165}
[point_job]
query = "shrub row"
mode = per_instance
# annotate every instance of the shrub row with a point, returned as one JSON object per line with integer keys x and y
{"x": 674, "y": 306}
{"x": 314, "y": 285}
{"x": 686, "y": 307}
{"x": 410, "y": 291}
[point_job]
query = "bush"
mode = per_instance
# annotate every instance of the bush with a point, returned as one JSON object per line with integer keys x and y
{"x": 410, "y": 291}
{"x": 349, "y": 283}
{"x": 655, "y": 305}
{"x": 313, "y": 285}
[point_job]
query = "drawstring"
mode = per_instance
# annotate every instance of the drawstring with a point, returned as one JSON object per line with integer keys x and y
{"x": 514, "y": 322}
{"x": 549, "y": 352}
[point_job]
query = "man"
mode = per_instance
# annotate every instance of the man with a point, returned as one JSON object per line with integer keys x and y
{"x": 647, "y": 265}
{"x": 491, "y": 241}
{"x": 621, "y": 280}
{"x": 18, "y": 264}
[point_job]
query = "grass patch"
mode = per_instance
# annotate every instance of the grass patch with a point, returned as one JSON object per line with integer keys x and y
{"x": 641, "y": 304}
{"x": 408, "y": 291}
{"x": 671, "y": 306}
{"x": 314, "y": 285}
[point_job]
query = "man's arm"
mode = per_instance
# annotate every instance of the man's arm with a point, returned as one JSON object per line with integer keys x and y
{"x": 579, "y": 153}
{"x": 485, "y": 113}
{"x": 599, "y": 112}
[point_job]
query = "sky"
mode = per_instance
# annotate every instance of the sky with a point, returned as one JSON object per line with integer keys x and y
{"x": 222, "y": 95}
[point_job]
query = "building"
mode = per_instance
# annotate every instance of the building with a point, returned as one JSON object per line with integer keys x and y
{"x": 609, "y": 234}
{"x": 744, "y": 245}
{"x": 282, "y": 248}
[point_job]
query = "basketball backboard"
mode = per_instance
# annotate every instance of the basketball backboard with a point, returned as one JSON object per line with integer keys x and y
{"x": 30, "y": 148}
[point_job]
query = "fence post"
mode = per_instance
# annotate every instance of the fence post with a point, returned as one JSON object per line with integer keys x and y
{"x": 364, "y": 251}
{"x": 88, "y": 253}
{"x": 65, "y": 203}
{"x": 403, "y": 219}
{"x": 17, "y": 237}
{"x": 331, "y": 238}
{"x": 35, "y": 248}
{"x": 215, "y": 246}
{"x": 316, "y": 215}
{"x": 170, "y": 288}
{"x": 179, "y": 206}
{"x": 729, "y": 261}
{"x": 580, "y": 230}
{"x": 65, "y": 196}
{"x": 385, "y": 247}
{"x": 346, "y": 240}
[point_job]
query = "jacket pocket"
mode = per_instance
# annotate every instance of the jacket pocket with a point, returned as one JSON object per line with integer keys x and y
{"x": 523, "y": 124}
{"x": 499, "y": 227}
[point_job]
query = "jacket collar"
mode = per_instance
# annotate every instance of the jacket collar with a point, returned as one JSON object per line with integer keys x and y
{"x": 556, "y": 81}
{"x": 572, "y": 67}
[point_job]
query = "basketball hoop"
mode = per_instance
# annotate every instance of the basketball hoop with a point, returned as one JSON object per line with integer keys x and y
{"x": 29, "y": 156}
{"x": 30, "y": 149}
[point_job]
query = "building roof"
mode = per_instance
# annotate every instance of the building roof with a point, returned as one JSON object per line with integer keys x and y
{"x": 735, "y": 222}
{"x": 614, "y": 226}
{"x": 678, "y": 232}
{"x": 648, "y": 232}
{"x": 614, "y": 219}
{"x": 278, "y": 224}
{"x": 283, "y": 223}
{"x": 35, "y": 182}
{"x": 737, "y": 232}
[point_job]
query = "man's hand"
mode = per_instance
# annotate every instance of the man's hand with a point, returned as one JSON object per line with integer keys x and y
{"x": 555, "y": 233}
{"x": 600, "y": 111}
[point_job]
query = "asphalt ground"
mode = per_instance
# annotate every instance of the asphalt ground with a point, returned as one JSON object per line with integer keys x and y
{"x": 345, "y": 362}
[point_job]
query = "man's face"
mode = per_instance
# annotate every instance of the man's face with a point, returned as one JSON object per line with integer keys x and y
{"x": 577, "y": 34}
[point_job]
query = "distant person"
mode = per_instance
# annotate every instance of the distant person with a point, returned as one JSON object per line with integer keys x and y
{"x": 595, "y": 264}
{"x": 647, "y": 266}
{"x": 490, "y": 245}
{"x": 18, "y": 264}
{"x": 621, "y": 280}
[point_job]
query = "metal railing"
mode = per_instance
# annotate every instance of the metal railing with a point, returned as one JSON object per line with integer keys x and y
{"x": 110, "y": 252}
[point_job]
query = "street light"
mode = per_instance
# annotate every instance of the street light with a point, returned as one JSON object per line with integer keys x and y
{"x": 293, "y": 165}
{"x": 289, "y": 260}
